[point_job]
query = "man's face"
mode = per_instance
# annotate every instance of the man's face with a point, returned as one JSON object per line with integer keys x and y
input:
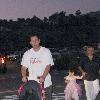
{"x": 35, "y": 42}
{"x": 90, "y": 51}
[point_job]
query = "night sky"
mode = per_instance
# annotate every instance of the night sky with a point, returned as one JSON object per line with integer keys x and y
{"x": 12, "y": 9}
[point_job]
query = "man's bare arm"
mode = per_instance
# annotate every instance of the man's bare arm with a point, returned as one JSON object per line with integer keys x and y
{"x": 23, "y": 72}
{"x": 47, "y": 69}
{"x": 81, "y": 69}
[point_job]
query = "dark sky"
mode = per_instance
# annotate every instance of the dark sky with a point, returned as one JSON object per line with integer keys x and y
{"x": 12, "y": 9}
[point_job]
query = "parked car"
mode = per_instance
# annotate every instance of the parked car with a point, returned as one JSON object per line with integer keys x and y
{"x": 13, "y": 56}
{"x": 3, "y": 67}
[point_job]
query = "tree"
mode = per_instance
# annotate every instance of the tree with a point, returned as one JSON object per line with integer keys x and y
{"x": 78, "y": 12}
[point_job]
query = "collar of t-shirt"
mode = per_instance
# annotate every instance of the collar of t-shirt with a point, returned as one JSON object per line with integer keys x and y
{"x": 32, "y": 49}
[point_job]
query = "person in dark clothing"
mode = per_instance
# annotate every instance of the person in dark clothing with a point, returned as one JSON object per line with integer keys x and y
{"x": 90, "y": 66}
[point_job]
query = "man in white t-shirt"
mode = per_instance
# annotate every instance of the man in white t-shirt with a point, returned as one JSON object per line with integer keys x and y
{"x": 38, "y": 61}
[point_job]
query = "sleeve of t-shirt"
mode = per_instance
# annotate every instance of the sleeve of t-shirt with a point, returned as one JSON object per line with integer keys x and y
{"x": 48, "y": 58}
{"x": 25, "y": 60}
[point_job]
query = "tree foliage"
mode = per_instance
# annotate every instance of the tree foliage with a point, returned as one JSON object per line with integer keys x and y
{"x": 57, "y": 31}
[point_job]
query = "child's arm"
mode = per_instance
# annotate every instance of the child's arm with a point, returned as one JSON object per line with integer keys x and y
{"x": 79, "y": 77}
{"x": 66, "y": 79}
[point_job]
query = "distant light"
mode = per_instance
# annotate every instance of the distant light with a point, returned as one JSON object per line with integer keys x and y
{"x": 3, "y": 61}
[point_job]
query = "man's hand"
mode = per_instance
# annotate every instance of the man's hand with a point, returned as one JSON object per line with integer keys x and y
{"x": 46, "y": 71}
{"x": 24, "y": 79}
{"x": 41, "y": 79}
{"x": 84, "y": 73}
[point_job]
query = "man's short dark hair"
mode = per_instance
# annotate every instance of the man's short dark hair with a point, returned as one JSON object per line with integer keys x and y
{"x": 34, "y": 34}
{"x": 89, "y": 46}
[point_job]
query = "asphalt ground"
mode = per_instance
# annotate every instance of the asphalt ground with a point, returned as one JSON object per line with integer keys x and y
{"x": 10, "y": 82}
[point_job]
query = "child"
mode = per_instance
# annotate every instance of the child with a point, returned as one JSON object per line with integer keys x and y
{"x": 72, "y": 90}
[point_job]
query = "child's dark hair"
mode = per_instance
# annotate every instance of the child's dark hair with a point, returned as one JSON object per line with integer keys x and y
{"x": 71, "y": 70}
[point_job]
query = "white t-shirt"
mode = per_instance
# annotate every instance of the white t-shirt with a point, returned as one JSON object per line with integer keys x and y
{"x": 36, "y": 63}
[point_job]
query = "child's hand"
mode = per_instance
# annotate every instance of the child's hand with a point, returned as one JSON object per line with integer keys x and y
{"x": 66, "y": 81}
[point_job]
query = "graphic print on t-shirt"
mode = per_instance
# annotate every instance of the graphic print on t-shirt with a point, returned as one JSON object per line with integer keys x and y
{"x": 35, "y": 60}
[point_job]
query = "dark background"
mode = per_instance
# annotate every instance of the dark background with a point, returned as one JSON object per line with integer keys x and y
{"x": 57, "y": 31}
